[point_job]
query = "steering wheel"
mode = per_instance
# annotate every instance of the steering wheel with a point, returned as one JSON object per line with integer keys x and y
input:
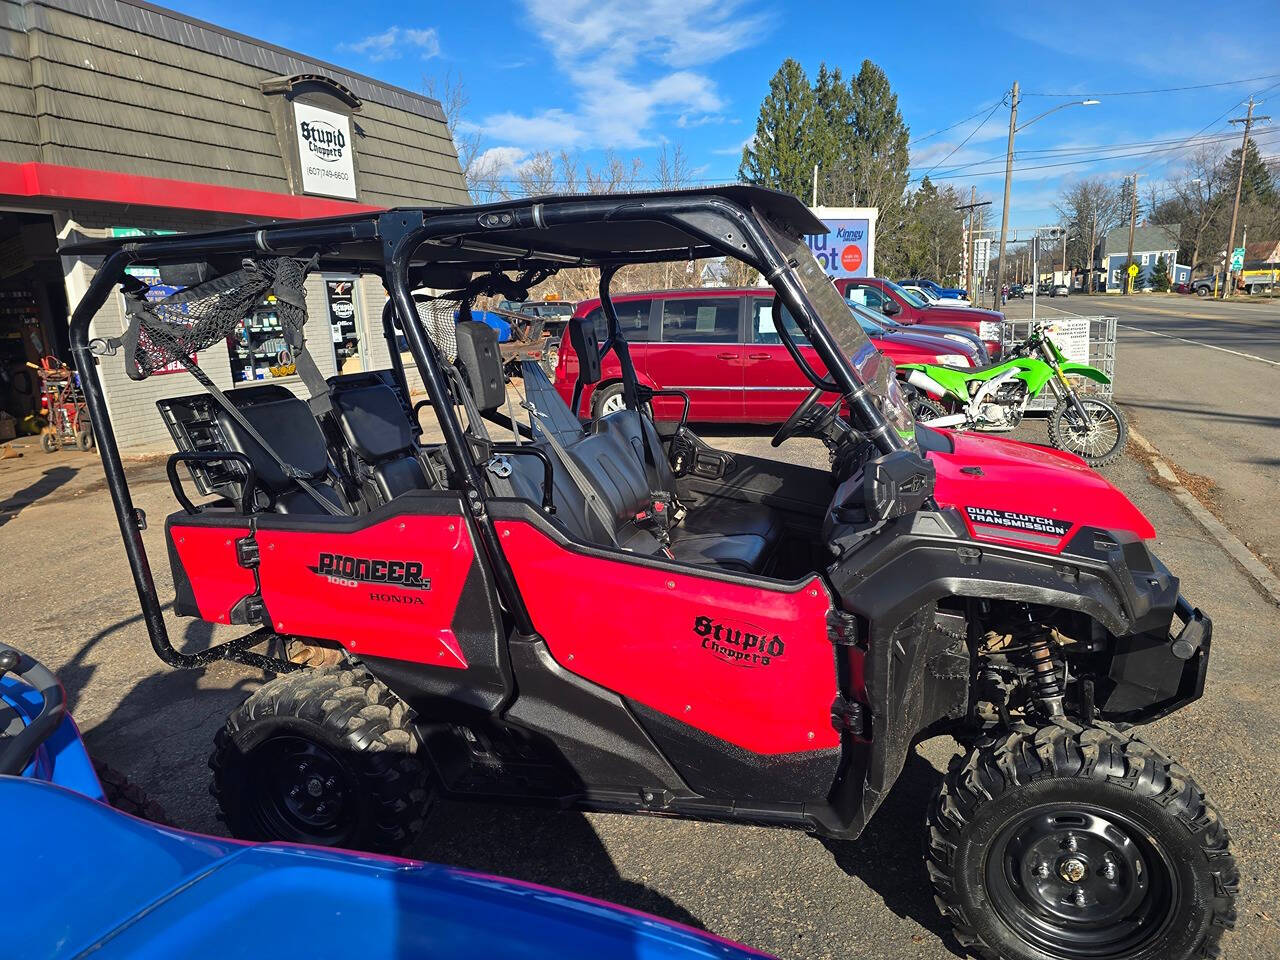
{"x": 805, "y": 419}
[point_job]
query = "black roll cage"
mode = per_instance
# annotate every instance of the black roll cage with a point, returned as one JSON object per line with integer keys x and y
{"x": 721, "y": 221}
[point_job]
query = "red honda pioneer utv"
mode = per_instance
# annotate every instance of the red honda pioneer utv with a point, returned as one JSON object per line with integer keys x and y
{"x": 602, "y": 617}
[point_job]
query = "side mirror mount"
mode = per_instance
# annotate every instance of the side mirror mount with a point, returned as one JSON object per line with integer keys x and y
{"x": 896, "y": 484}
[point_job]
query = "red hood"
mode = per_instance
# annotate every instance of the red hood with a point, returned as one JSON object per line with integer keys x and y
{"x": 928, "y": 342}
{"x": 1029, "y": 496}
{"x": 943, "y": 314}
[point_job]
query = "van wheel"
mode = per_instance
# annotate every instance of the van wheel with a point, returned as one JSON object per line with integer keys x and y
{"x": 326, "y": 757}
{"x": 1079, "y": 842}
{"x": 607, "y": 401}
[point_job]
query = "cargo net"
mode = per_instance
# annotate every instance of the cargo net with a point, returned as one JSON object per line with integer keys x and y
{"x": 173, "y": 329}
{"x": 439, "y": 318}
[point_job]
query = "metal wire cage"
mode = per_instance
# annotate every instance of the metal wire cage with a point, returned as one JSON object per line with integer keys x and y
{"x": 1101, "y": 339}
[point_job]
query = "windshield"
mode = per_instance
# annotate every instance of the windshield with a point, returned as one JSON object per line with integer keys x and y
{"x": 912, "y": 298}
{"x": 924, "y": 293}
{"x": 867, "y": 364}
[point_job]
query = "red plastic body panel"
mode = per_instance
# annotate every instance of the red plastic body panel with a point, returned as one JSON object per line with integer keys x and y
{"x": 1034, "y": 481}
{"x": 748, "y": 664}
{"x": 208, "y": 557}
{"x": 379, "y": 619}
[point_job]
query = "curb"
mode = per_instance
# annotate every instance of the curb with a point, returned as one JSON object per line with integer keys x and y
{"x": 1233, "y": 545}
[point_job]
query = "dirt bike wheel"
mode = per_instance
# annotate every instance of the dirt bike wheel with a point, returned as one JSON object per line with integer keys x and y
{"x": 1098, "y": 444}
{"x": 50, "y": 442}
{"x": 322, "y": 756}
{"x": 924, "y": 409}
{"x": 1074, "y": 842}
{"x": 127, "y": 797}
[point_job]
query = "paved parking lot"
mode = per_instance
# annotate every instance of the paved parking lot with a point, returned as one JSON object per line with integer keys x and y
{"x": 69, "y": 600}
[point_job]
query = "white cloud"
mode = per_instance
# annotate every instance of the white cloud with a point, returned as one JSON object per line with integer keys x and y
{"x": 736, "y": 149}
{"x": 631, "y": 64}
{"x": 391, "y": 43}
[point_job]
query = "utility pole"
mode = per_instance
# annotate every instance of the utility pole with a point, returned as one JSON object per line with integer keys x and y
{"x": 1008, "y": 178}
{"x": 969, "y": 207}
{"x": 1133, "y": 220}
{"x": 1247, "y": 120}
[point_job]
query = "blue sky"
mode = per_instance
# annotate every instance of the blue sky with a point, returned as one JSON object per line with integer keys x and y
{"x": 590, "y": 75}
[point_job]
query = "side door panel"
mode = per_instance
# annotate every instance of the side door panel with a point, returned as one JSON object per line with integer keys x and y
{"x": 774, "y": 384}
{"x": 700, "y": 352}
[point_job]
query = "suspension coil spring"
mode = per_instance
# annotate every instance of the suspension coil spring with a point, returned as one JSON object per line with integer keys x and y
{"x": 1049, "y": 691}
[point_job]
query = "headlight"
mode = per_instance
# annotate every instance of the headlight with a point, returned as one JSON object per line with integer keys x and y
{"x": 989, "y": 330}
{"x": 954, "y": 360}
{"x": 957, "y": 337}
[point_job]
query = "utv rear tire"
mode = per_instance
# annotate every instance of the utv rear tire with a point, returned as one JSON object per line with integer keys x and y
{"x": 1079, "y": 842}
{"x": 325, "y": 757}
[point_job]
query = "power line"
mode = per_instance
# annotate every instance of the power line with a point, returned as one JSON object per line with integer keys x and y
{"x": 1139, "y": 93}
{"x": 952, "y": 153}
{"x": 929, "y": 136}
{"x": 954, "y": 174}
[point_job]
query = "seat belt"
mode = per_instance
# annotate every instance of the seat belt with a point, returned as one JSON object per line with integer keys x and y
{"x": 162, "y": 337}
{"x": 318, "y": 398}
{"x": 603, "y": 514}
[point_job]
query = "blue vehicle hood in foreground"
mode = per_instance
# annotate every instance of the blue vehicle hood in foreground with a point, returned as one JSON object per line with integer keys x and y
{"x": 94, "y": 879}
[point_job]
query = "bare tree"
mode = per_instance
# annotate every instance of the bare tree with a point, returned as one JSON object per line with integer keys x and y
{"x": 478, "y": 169}
{"x": 1089, "y": 208}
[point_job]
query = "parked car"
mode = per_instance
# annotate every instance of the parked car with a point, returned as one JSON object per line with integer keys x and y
{"x": 721, "y": 348}
{"x": 939, "y": 290}
{"x": 905, "y": 307}
{"x": 1206, "y": 286}
{"x": 184, "y": 894}
{"x": 1059, "y": 290}
{"x": 931, "y": 298}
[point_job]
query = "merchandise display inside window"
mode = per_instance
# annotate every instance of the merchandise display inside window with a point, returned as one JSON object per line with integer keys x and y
{"x": 258, "y": 348}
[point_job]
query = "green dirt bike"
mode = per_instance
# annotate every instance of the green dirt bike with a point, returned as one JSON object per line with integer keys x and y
{"x": 995, "y": 397}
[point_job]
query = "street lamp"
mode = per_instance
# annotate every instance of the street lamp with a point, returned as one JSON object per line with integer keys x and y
{"x": 1008, "y": 163}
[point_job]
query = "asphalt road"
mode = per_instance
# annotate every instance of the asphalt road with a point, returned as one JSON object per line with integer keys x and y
{"x": 1201, "y": 380}
{"x": 69, "y": 600}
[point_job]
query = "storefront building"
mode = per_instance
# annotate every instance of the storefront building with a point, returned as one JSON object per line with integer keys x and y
{"x": 121, "y": 118}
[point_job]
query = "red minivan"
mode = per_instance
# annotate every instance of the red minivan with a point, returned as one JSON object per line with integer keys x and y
{"x": 720, "y": 347}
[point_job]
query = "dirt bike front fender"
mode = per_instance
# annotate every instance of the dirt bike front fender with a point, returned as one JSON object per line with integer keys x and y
{"x": 1084, "y": 370}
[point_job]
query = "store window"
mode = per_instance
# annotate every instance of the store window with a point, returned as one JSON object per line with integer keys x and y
{"x": 258, "y": 348}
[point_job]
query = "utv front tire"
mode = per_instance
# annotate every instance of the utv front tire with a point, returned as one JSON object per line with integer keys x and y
{"x": 1079, "y": 842}
{"x": 326, "y": 757}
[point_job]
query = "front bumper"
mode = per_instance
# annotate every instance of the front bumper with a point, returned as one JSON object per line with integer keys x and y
{"x": 1156, "y": 674}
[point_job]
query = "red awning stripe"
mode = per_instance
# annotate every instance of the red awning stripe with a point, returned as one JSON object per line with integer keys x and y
{"x": 55, "y": 182}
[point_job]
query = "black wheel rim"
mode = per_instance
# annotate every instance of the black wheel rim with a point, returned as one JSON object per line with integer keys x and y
{"x": 1081, "y": 882}
{"x": 301, "y": 792}
{"x": 1095, "y": 438}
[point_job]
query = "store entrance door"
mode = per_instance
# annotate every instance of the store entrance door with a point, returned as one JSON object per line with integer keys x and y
{"x": 346, "y": 325}
{"x": 33, "y": 314}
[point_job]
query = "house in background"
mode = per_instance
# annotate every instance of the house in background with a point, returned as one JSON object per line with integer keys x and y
{"x": 1150, "y": 243}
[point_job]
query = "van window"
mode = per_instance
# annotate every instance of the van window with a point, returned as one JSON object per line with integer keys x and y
{"x": 866, "y": 297}
{"x": 763, "y": 330}
{"x": 633, "y": 319}
{"x": 700, "y": 320}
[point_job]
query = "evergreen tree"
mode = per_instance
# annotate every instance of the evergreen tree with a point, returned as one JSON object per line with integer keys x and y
{"x": 1259, "y": 184}
{"x": 790, "y": 132}
{"x": 1160, "y": 276}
